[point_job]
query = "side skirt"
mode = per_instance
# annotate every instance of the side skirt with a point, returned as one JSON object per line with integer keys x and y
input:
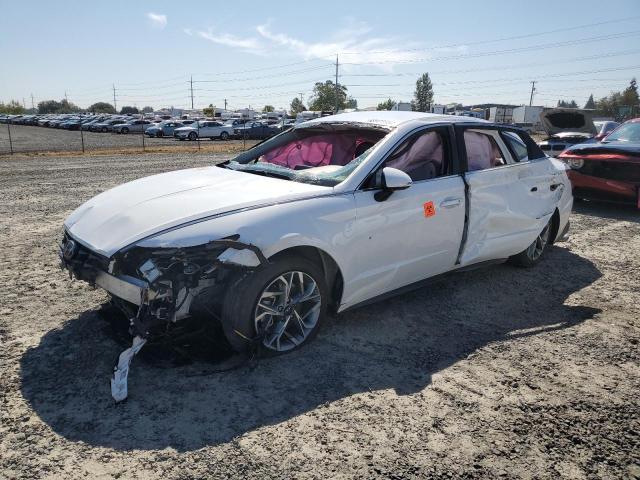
{"x": 422, "y": 283}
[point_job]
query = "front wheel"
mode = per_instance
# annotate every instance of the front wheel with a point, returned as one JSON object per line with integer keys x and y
{"x": 533, "y": 253}
{"x": 193, "y": 136}
{"x": 280, "y": 305}
{"x": 125, "y": 130}
{"x": 224, "y": 136}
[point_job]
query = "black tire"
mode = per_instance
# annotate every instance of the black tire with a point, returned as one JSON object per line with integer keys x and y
{"x": 224, "y": 136}
{"x": 193, "y": 136}
{"x": 533, "y": 253}
{"x": 243, "y": 294}
{"x": 124, "y": 130}
{"x": 159, "y": 134}
{"x": 104, "y": 130}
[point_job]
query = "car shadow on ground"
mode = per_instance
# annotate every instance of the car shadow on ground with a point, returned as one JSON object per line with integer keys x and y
{"x": 396, "y": 344}
{"x": 611, "y": 210}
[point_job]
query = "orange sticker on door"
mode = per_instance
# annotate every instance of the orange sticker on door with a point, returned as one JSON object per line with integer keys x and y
{"x": 429, "y": 209}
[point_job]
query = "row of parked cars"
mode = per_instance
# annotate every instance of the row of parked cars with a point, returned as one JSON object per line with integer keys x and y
{"x": 181, "y": 129}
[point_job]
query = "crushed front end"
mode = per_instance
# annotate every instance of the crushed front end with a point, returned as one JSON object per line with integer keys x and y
{"x": 155, "y": 287}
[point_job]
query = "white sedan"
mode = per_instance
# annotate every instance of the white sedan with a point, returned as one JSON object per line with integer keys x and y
{"x": 334, "y": 213}
{"x": 204, "y": 129}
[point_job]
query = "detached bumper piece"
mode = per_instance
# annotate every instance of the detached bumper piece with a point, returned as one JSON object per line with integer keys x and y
{"x": 154, "y": 287}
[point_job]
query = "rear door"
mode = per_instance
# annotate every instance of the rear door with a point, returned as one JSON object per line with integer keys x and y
{"x": 511, "y": 196}
{"x": 415, "y": 233}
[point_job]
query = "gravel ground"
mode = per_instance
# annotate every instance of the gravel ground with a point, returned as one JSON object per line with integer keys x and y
{"x": 26, "y": 138}
{"x": 499, "y": 372}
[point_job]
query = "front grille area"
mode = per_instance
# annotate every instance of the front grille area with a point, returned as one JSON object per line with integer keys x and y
{"x": 85, "y": 263}
{"x": 629, "y": 172}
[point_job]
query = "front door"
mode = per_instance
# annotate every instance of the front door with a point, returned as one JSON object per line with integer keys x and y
{"x": 415, "y": 233}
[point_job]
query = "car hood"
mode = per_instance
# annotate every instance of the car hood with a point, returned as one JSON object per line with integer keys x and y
{"x": 128, "y": 213}
{"x": 558, "y": 120}
{"x": 615, "y": 150}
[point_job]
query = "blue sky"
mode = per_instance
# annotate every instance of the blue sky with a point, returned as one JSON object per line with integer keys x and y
{"x": 267, "y": 52}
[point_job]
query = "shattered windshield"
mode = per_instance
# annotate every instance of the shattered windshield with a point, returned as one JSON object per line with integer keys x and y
{"x": 326, "y": 155}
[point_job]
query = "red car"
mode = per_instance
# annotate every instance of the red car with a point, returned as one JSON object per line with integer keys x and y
{"x": 609, "y": 169}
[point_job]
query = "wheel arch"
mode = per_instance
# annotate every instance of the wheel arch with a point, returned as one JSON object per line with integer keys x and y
{"x": 555, "y": 226}
{"x": 332, "y": 272}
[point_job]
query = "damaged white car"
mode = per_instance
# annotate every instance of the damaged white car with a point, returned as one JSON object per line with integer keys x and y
{"x": 336, "y": 212}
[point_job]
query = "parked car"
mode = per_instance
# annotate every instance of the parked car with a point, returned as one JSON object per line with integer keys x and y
{"x": 164, "y": 129}
{"x": 204, "y": 129}
{"x": 106, "y": 126}
{"x": 604, "y": 128}
{"x": 565, "y": 127}
{"x": 258, "y": 130}
{"x": 332, "y": 214}
{"x": 609, "y": 169}
{"x": 132, "y": 126}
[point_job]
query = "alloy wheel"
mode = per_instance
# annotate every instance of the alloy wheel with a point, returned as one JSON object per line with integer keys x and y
{"x": 537, "y": 247}
{"x": 288, "y": 310}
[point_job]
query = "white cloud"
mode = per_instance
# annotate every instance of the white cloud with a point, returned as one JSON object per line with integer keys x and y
{"x": 251, "y": 45}
{"x": 158, "y": 20}
{"x": 188, "y": 31}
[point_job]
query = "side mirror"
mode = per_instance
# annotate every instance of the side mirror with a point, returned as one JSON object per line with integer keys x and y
{"x": 389, "y": 180}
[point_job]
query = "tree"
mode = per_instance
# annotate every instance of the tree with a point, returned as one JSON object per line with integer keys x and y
{"x": 101, "y": 107}
{"x": 63, "y": 106}
{"x": 324, "y": 97}
{"x": 13, "y": 108}
{"x": 127, "y": 110}
{"x": 386, "y": 105}
{"x": 296, "y": 106}
{"x": 147, "y": 110}
{"x": 423, "y": 96}
{"x": 351, "y": 103}
{"x": 591, "y": 104}
{"x": 267, "y": 108}
{"x": 208, "y": 111}
{"x": 630, "y": 94}
{"x": 571, "y": 104}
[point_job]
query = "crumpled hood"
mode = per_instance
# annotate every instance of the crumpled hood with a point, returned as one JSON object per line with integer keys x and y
{"x": 557, "y": 120}
{"x": 128, "y": 213}
{"x": 615, "y": 149}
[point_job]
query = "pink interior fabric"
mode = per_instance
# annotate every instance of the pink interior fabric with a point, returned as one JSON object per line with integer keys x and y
{"x": 423, "y": 160}
{"x": 315, "y": 151}
{"x": 479, "y": 150}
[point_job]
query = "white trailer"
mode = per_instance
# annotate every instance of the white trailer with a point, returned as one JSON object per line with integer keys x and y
{"x": 501, "y": 114}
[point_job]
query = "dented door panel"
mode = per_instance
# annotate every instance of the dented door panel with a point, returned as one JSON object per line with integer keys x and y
{"x": 508, "y": 207}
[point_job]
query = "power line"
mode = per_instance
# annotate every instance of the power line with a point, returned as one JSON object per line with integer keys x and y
{"x": 496, "y": 40}
{"x": 542, "y": 46}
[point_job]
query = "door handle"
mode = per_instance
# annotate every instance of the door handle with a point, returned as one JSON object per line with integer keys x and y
{"x": 450, "y": 202}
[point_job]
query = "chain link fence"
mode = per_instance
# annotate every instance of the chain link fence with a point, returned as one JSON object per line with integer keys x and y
{"x": 31, "y": 139}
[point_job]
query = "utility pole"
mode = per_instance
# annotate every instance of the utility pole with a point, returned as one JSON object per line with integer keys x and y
{"x": 191, "y": 82}
{"x": 337, "y": 98}
{"x": 65, "y": 97}
{"x": 302, "y": 98}
{"x": 533, "y": 89}
{"x": 225, "y": 104}
{"x": 33, "y": 107}
{"x": 115, "y": 107}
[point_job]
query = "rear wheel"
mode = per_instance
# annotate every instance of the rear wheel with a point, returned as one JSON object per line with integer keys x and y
{"x": 125, "y": 130}
{"x": 193, "y": 135}
{"x": 224, "y": 136}
{"x": 533, "y": 253}
{"x": 280, "y": 305}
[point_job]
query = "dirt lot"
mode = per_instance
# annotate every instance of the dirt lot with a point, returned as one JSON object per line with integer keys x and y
{"x": 27, "y": 138}
{"x": 493, "y": 373}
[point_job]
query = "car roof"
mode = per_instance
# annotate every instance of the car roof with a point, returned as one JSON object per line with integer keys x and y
{"x": 390, "y": 119}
